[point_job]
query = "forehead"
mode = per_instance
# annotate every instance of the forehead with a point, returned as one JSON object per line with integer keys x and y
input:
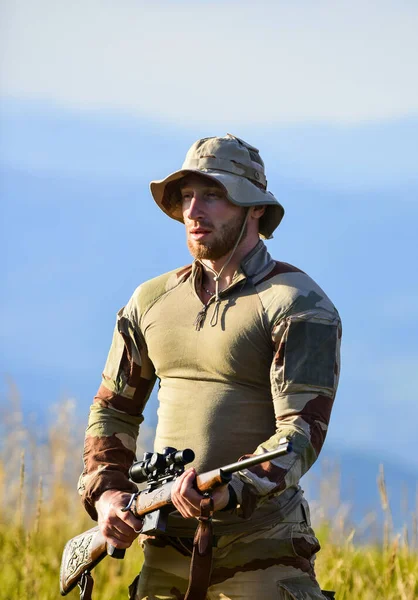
{"x": 198, "y": 180}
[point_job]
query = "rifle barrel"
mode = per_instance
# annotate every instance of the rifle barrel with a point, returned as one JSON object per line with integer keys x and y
{"x": 257, "y": 459}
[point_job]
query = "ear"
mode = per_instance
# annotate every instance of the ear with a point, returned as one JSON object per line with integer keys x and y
{"x": 257, "y": 211}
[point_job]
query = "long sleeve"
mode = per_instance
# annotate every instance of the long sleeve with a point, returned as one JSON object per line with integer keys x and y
{"x": 304, "y": 379}
{"x": 116, "y": 413}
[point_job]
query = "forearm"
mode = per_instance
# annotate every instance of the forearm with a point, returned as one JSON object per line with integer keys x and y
{"x": 109, "y": 451}
{"x": 303, "y": 419}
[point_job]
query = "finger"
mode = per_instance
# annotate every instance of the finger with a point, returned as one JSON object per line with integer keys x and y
{"x": 189, "y": 474}
{"x": 185, "y": 498}
{"x": 191, "y": 500}
{"x": 182, "y": 483}
{"x": 123, "y": 527}
{"x": 188, "y": 492}
{"x": 116, "y": 537}
{"x": 182, "y": 505}
{"x": 123, "y": 530}
{"x": 133, "y": 522}
{"x": 124, "y": 538}
{"x": 178, "y": 502}
{"x": 118, "y": 543}
{"x": 176, "y": 490}
{"x": 119, "y": 523}
{"x": 186, "y": 482}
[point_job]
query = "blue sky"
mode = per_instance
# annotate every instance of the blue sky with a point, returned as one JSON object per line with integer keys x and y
{"x": 86, "y": 121}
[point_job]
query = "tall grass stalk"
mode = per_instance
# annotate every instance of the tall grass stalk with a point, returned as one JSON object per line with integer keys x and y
{"x": 41, "y": 511}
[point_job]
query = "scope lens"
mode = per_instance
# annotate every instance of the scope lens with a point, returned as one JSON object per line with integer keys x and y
{"x": 138, "y": 472}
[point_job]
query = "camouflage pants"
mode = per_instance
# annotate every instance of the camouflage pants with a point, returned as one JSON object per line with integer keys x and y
{"x": 272, "y": 563}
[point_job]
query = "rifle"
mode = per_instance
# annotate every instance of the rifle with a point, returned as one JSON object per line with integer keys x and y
{"x": 153, "y": 505}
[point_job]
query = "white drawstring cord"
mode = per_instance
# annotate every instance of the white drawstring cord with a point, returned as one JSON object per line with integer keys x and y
{"x": 217, "y": 276}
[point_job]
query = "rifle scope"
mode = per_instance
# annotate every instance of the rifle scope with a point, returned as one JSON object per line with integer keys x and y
{"x": 155, "y": 465}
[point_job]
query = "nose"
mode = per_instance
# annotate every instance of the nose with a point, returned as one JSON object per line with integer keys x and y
{"x": 194, "y": 210}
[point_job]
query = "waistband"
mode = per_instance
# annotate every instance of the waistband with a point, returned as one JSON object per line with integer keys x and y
{"x": 276, "y": 509}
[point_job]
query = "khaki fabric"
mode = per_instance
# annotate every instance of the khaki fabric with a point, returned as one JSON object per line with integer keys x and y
{"x": 262, "y": 367}
{"x": 273, "y": 563}
{"x": 234, "y": 379}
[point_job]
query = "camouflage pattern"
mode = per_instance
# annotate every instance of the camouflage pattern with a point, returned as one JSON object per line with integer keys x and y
{"x": 274, "y": 562}
{"x": 304, "y": 376}
{"x": 236, "y": 166}
{"x": 115, "y": 416}
{"x": 264, "y": 366}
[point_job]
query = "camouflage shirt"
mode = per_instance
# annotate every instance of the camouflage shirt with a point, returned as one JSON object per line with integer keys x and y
{"x": 234, "y": 379}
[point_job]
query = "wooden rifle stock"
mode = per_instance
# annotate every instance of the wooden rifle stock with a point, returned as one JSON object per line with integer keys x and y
{"x": 86, "y": 550}
{"x": 83, "y": 552}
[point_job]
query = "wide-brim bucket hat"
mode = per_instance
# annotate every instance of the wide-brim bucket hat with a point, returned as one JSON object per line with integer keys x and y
{"x": 234, "y": 164}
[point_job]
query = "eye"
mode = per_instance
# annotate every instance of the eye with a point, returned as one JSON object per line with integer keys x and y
{"x": 214, "y": 194}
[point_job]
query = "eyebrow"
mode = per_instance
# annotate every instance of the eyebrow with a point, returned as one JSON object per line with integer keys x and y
{"x": 213, "y": 185}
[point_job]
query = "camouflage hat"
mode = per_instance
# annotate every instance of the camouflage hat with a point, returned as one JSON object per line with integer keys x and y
{"x": 234, "y": 164}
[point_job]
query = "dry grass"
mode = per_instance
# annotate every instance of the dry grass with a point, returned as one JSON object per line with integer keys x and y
{"x": 41, "y": 511}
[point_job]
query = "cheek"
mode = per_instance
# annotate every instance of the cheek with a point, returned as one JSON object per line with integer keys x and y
{"x": 232, "y": 214}
{"x": 225, "y": 211}
{"x": 184, "y": 208}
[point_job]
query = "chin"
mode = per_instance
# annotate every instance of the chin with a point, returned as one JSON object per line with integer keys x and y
{"x": 199, "y": 251}
{"x": 213, "y": 251}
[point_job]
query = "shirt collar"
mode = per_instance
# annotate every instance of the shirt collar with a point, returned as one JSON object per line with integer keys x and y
{"x": 255, "y": 265}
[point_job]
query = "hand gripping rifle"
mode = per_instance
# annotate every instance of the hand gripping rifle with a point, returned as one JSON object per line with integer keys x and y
{"x": 152, "y": 505}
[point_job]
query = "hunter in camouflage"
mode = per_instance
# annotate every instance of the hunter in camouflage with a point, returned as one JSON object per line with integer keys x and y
{"x": 241, "y": 365}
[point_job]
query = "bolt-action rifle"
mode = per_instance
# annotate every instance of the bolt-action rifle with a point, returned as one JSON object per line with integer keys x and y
{"x": 152, "y": 505}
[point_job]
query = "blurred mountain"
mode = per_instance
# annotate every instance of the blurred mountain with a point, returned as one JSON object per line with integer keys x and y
{"x": 353, "y": 486}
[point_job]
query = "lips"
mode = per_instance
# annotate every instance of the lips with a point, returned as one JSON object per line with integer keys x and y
{"x": 199, "y": 230}
{"x": 198, "y": 233}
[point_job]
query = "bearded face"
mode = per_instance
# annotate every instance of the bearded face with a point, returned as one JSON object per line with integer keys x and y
{"x": 212, "y": 222}
{"x": 220, "y": 242}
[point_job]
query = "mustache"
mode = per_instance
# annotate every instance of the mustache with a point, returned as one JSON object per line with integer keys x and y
{"x": 204, "y": 224}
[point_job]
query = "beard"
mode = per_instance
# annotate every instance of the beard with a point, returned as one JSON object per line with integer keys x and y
{"x": 222, "y": 243}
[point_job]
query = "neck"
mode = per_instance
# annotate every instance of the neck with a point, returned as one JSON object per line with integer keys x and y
{"x": 244, "y": 248}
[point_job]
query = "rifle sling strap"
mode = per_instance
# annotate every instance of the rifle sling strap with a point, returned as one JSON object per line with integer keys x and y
{"x": 201, "y": 564}
{"x": 86, "y": 586}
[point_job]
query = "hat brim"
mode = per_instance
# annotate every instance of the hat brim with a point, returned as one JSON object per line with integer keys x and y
{"x": 239, "y": 190}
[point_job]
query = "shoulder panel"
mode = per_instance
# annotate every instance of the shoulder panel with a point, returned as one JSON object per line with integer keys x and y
{"x": 150, "y": 291}
{"x": 279, "y": 269}
{"x": 287, "y": 290}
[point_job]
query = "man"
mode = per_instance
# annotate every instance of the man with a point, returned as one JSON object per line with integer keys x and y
{"x": 247, "y": 352}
